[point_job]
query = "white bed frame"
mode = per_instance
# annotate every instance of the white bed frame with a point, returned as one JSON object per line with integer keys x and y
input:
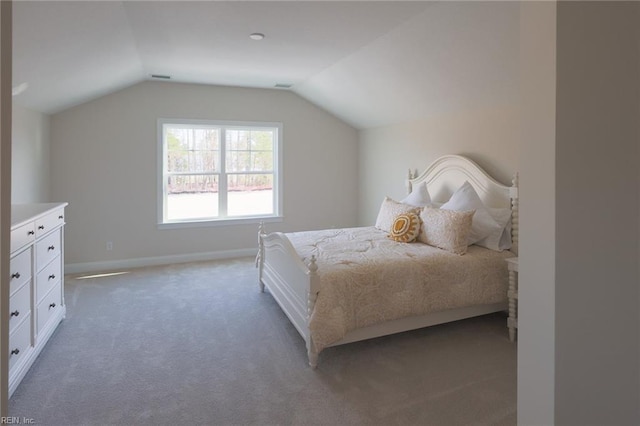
{"x": 295, "y": 285}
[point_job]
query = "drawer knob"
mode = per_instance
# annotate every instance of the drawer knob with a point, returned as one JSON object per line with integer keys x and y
{"x": 52, "y": 276}
{"x": 31, "y": 233}
{"x": 53, "y": 305}
{"x": 15, "y": 313}
{"x": 16, "y": 351}
{"x": 15, "y": 275}
{"x": 51, "y": 248}
{"x": 40, "y": 226}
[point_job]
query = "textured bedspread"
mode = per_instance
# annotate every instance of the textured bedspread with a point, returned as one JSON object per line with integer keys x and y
{"x": 367, "y": 278}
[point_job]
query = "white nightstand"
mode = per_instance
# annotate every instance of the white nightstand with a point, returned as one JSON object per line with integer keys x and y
{"x": 512, "y": 294}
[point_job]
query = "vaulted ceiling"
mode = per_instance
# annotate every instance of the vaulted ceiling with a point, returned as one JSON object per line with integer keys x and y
{"x": 370, "y": 63}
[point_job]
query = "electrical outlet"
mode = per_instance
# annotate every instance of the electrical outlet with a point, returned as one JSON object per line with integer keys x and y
{"x": 109, "y": 245}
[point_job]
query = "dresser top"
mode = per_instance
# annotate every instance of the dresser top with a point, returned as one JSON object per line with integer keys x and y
{"x": 22, "y": 213}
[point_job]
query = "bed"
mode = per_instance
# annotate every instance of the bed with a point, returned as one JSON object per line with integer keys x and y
{"x": 339, "y": 286}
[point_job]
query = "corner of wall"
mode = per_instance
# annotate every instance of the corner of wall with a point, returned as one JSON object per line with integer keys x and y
{"x": 31, "y": 145}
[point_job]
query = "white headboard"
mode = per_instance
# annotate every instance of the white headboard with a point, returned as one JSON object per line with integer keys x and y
{"x": 449, "y": 172}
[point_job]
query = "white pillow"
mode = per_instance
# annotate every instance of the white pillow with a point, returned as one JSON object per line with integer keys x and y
{"x": 506, "y": 241}
{"x": 389, "y": 210}
{"x": 466, "y": 198}
{"x": 419, "y": 197}
{"x": 499, "y": 239}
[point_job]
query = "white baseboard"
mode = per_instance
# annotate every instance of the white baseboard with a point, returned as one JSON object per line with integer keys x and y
{"x": 111, "y": 265}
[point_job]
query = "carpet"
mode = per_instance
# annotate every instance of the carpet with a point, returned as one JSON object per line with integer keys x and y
{"x": 199, "y": 344}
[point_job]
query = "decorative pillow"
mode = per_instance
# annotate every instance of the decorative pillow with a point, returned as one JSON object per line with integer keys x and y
{"x": 446, "y": 229}
{"x": 389, "y": 210}
{"x": 499, "y": 239}
{"x": 466, "y": 198}
{"x": 406, "y": 228}
{"x": 419, "y": 197}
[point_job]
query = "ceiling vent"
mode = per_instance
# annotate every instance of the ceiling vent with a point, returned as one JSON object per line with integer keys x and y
{"x": 161, "y": 77}
{"x": 283, "y": 86}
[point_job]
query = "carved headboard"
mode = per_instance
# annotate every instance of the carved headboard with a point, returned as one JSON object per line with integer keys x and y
{"x": 445, "y": 175}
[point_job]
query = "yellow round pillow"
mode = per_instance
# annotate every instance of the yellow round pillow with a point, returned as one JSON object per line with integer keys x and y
{"x": 405, "y": 228}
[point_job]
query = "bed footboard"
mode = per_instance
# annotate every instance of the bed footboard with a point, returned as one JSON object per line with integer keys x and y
{"x": 293, "y": 284}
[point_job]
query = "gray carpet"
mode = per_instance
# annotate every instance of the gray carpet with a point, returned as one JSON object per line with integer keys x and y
{"x": 199, "y": 344}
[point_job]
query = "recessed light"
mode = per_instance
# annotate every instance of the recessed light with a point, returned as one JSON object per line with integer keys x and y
{"x": 256, "y": 36}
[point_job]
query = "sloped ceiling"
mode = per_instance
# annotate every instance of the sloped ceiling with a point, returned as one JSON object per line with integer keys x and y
{"x": 370, "y": 63}
{"x": 453, "y": 56}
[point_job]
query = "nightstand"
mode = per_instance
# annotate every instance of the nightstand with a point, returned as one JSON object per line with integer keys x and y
{"x": 512, "y": 294}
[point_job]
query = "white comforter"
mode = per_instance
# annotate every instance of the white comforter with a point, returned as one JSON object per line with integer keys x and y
{"x": 367, "y": 278}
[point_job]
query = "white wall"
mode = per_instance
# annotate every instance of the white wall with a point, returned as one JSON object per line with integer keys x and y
{"x": 537, "y": 260}
{"x": 30, "y": 156}
{"x": 487, "y": 135}
{"x": 597, "y": 209}
{"x": 104, "y": 164}
{"x": 453, "y": 120}
{"x": 578, "y": 349}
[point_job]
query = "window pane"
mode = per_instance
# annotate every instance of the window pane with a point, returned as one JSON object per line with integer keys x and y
{"x": 195, "y": 162}
{"x": 238, "y": 161}
{"x": 262, "y": 140}
{"x": 250, "y": 194}
{"x": 192, "y": 149}
{"x": 192, "y": 197}
{"x": 261, "y": 161}
{"x": 249, "y": 150}
{"x": 237, "y": 139}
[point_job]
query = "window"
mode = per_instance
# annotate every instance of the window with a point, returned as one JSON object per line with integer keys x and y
{"x": 218, "y": 172}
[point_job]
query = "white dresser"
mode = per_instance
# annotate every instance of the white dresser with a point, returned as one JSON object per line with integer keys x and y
{"x": 37, "y": 282}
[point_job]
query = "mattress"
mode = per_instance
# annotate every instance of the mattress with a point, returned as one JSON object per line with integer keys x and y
{"x": 366, "y": 278}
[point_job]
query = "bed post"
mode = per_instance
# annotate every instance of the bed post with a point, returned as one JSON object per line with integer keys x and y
{"x": 515, "y": 213}
{"x": 311, "y": 301}
{"x": 260, "y": 256}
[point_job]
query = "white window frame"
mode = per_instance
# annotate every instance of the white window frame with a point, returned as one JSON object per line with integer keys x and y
{"x": 276, "y": 216}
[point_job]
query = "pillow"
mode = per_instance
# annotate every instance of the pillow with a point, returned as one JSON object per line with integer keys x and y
{"x": 446, "y": 229}
{"x": 389, "y": 210}
{"x": 499, "y": 239}
{"x": 405, "y": 228}
{"x": 419, "y": 197}
{"x": 506, "y": 241}
{"x": 466, "y": 198}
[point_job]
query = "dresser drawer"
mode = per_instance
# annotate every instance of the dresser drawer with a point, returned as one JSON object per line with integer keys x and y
{"x": 50, "y": 305}
{"x": 19, "y": 343}
{"x": 49, "y": 222}
{"x": 22, "y": 236}
{"x": 20, "y": 270}
{"x": 47, "y": 278}
{"x": 48, "y": 249}
{"x": 19, "y": 307}
{"x": 36, "y": 285}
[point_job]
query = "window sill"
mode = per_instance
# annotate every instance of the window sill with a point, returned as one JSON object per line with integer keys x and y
{"x": 219, "y": 222}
